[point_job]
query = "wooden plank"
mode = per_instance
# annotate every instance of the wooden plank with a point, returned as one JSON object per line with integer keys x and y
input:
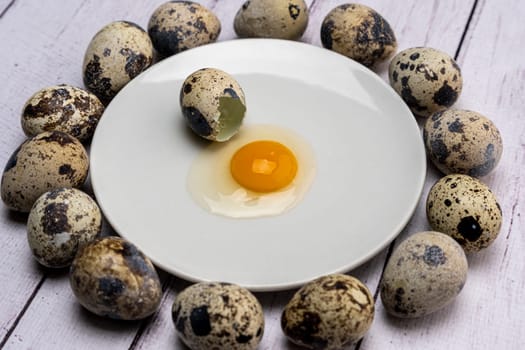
{"x": 488, "y": 314}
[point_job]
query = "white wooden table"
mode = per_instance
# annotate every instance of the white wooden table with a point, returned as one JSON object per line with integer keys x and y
{"x": 43, "y": 43}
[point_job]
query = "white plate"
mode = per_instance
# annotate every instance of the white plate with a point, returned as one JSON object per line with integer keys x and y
{"x": 369, "y": 153}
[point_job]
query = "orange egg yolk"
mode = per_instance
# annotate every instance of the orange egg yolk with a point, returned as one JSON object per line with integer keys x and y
{"x": 263, "y": 166}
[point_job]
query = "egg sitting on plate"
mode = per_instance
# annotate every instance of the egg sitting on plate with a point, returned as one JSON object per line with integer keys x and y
{"x": 264, "y": 170}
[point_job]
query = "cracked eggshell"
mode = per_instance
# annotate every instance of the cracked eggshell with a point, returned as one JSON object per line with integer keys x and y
{"x": 211, "y": 315}
{"x": 177, "y": 26}
{"x": 465, "y": 209}
{"x": 462, "y": 142}
{"x": 44, "y": 162}
{"x": 428, "y": 80}
{"x": 213, "y": 104}
{"x": 328, "y": 312}
{"x": 276, "y": 19}
{"x": 117, "y": 53}
{"x": 358, "y": 32}
{"x": 424, "y": 274}
{"x": 111, "y": 277}
{"x": 63, "y": 108}
{"x": 60, "y": 222}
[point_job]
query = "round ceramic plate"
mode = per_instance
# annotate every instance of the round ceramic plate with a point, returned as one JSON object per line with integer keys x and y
{"x": 368, "y": 150}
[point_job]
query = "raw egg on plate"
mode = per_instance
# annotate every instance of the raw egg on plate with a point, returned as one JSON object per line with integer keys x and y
{"x": 264, "y": 170}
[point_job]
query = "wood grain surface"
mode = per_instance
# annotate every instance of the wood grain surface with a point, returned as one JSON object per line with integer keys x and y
{"x": 43, "y": 43}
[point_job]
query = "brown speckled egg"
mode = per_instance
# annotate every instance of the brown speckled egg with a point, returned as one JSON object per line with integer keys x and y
{"x": 462, "y": 142}
{"x": 177, "y": 26}
{"x": 60, "y": 222}
{"x": 428, "y": 80}
{"x": 211, "y": 315}
{"x": 111, "y": 277}
{"x": 276, "y": 19}
{"x": 213, "y": 104}
{"x": 424, "y": 274}
{"x": 44, "y": 162}
{"x": 117, "y": 53}
{"x": 465, "y": 209}
{"x": 329, "y": 312}
{"x": 64, "y": 108}
{"x": 358, "y": 32}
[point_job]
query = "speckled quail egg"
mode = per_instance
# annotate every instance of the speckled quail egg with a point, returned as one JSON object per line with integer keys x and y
{"x": 465, "y": 209}
{"x": 44, "y": 162}
{"x": 64, "y": 108}
{"x": 424, "y": 274}
{"x": 211, "y": 315}
{"x": 213, "y": 104}
{"x": 177, "y": 26}
{"x": 428, "y": 80}
{"x": 271, "y": 19}
{"x": 111, "y": 277}
{"x": 60, "y": 222}
{"x": 358, "y": 32}
{"x": 116, "y": 54}
{"x": 328, "y": 312}
{"x": 463, "y": 142}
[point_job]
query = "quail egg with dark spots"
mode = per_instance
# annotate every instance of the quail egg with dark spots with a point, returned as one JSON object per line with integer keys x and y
{"x": 358, "y": 32}
{"x": 463, "y": 142}
{"x": 213, "y": 104}
{"x": 428, "y": 80}
{"x": 44, "y": 162}
{"x": 211, "y": 315}
{"x": 60, "y": 222}
{"x": 177, "y": 26}
{"x": 424, "y": 274}
{"x": 276, "y": 19}
{"x": 465, "y": 209}
{"x": 117, "y": 53}
{"x": 329, "y": 312}
{"x": 64, "y": 108}
{"x": 111, "y": 277}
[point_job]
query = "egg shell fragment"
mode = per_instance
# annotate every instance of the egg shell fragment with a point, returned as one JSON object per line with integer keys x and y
{"x": 213, "y": 104}
{"x": 329, "y": 312}
{"x": 276, "y": 19}
{"x": 117, "y": 53}
{"x": 465, "y": 209}
{"x": 111, "y": 277}
{"x": 63, "y": 108}
{"x": 424, "y": 274}
{"x": 44, "y": 162}
{"x": 360, "y": 33}
{"x": 60, "y": 222}
{"x": 177, "y": 26}
{"x": 211, "y": 315}
{"x": 428, "y": 80}
{"x": 462, "y": 142}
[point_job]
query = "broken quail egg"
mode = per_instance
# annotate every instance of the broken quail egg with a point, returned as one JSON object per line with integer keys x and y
{"x": 329, "y": 312}
{"x": 60, "y": 222}
{"x": 463, "y": 142}
{"x": 64, "y": 108}
{"x": 428, "y": 80}
{"x": 177, "y": 26}
{"x": 358, "y": 32}
{"x": 211, "y": 315}
{"x": 424, "y": 274}
{"x": 213, "y": 104}
{"x": 117, "y": 53}
{"x": 465, "y": 209}
{"x": 44, "y": 162}
{"x": 271, "y": 19}
{"x": 111, "y": 277}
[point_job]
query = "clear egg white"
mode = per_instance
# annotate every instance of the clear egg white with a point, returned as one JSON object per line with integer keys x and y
{"x": 212, "y": 186}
